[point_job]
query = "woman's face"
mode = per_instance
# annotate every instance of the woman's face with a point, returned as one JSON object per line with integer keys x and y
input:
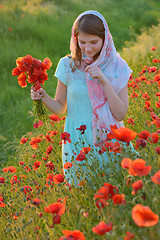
{"x": 89, "y": 44}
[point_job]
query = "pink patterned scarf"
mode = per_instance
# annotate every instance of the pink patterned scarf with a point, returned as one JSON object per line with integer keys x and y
{"x": 117, "y": 72}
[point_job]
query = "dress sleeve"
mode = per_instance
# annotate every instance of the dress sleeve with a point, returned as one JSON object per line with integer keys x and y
{"x": 60, "y": 72}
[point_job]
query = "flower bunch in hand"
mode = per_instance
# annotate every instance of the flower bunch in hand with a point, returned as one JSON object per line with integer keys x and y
{"x": 33, "y": 71}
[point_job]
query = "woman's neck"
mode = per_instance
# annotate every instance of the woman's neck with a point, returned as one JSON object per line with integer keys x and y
{"x": 83, "y": 66}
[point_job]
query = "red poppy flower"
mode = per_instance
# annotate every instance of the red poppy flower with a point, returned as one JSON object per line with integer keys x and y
{"x": 157, "y": 78}
{"x": 144, "y": 134}
{"x": 145, "y": 96}
{"x": 158, "y": 104}
{"x": 82, "y": 128}
{"x": 153, "y": 138}
{"x": 152, "y": 69}
{"x": 139, "y": 168}
{"x": 101, "y": 203}
{"x": 22, "y": 80}
{"x": 24, "y": 140}
{"x": 157, "y": 94}
{"x": 2, "y": 204}
{"x": 26, "y": 189}
{"x": 56, "y": 219}
{"x": 16, "y": 72}
{"x": 123, "y": 134}
{"x": 58, "y": 178}
{"x": 53, "y": 133}
{"x": 34, "y": 142}
{"x": 154, "y": 48}
{"x": 142, "y": 79}
{"x": 133, "y": 94}
{"x": 67, "y": 165}
{"x": 129, "y": 236}
{"x": 110, "y": 135}
{"x": 140, "y": 142}
{"x": 47, "y": 63}
{"x": 9, "y": 169}
{"x": 14, "y": 180}
{"x": 36, "y": 201}
{"x": 49, "y": 149}
{"x": 115, "y": 147}
{"x": 21, "y": 64}
{"x": 119, "y": 199}
{"x": 126, "y": 163}
{"x": 40, "y": 123}
{"x": 36, "y": 125}
{"x": 147, "y": 105}
{"x": 156, "y": 119}
{"x": 102, "y": 228}
{"x": 65, "y": 137}
{"x": 27, "y": 169}
{"x": 2, "y": 180}
{"x": 36, "y": 165}
{"x": 81, "y": 156}
{"x": 143, "y": 216}
{"x": 72, "y": 235}
{"x": 106, "y": 192}
{"x": 156, "y": 178}
{"x": 55, "y": 208}
{"x": 55, "y": 117}
{"x": 130, "y": 121}
{"x": 50, "y": 165}
{"x": 49, "y": 180}
{"x": 136, "y": 186}
{"x": 86, "y": 150}
{"x": 157, "y": 149}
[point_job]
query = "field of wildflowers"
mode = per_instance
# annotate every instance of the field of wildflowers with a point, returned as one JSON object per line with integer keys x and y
{"x": 36, "y": 202}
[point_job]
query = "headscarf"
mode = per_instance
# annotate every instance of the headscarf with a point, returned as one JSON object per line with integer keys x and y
{"x": 117, "y": 72}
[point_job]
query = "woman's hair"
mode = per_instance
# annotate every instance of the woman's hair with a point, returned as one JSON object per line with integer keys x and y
{"x": 89, "y": 24}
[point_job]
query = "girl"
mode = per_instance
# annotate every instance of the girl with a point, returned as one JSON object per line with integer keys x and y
{"x": 92, "y": 86}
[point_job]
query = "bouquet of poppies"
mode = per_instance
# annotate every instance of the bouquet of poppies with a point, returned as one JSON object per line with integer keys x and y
{"x": 33, "y": 71}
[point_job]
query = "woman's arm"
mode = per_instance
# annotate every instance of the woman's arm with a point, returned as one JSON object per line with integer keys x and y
{"x": 118, "y": 104}
{"x": 57, "y": 105}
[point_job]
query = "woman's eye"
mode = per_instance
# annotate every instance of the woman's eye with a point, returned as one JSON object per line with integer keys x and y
{"x": 94, "y": 42}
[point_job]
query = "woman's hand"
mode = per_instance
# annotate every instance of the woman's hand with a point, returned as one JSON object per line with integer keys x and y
{"x": 96, "y": 72}
{"x": 37, "y": 94}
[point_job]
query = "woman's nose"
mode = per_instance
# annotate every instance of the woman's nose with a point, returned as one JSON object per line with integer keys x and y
{"x": 87, "y": 47}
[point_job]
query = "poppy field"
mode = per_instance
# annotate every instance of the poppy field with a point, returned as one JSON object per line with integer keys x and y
{"x": 36, "y": 201}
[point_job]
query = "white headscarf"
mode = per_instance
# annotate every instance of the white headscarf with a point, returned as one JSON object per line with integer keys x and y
{"x": 117, "y": 72}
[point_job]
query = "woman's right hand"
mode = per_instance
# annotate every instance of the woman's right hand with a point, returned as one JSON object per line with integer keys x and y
{"x": 37, "y": 94}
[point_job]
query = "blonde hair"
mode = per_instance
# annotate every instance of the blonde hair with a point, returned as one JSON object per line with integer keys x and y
{"x": 89, "y": 24}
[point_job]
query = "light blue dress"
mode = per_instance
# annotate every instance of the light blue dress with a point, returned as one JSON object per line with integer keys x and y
{"x": 79, "y": 112}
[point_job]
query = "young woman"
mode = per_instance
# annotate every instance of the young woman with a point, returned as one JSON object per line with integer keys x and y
{"x": 92, "y": 86}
